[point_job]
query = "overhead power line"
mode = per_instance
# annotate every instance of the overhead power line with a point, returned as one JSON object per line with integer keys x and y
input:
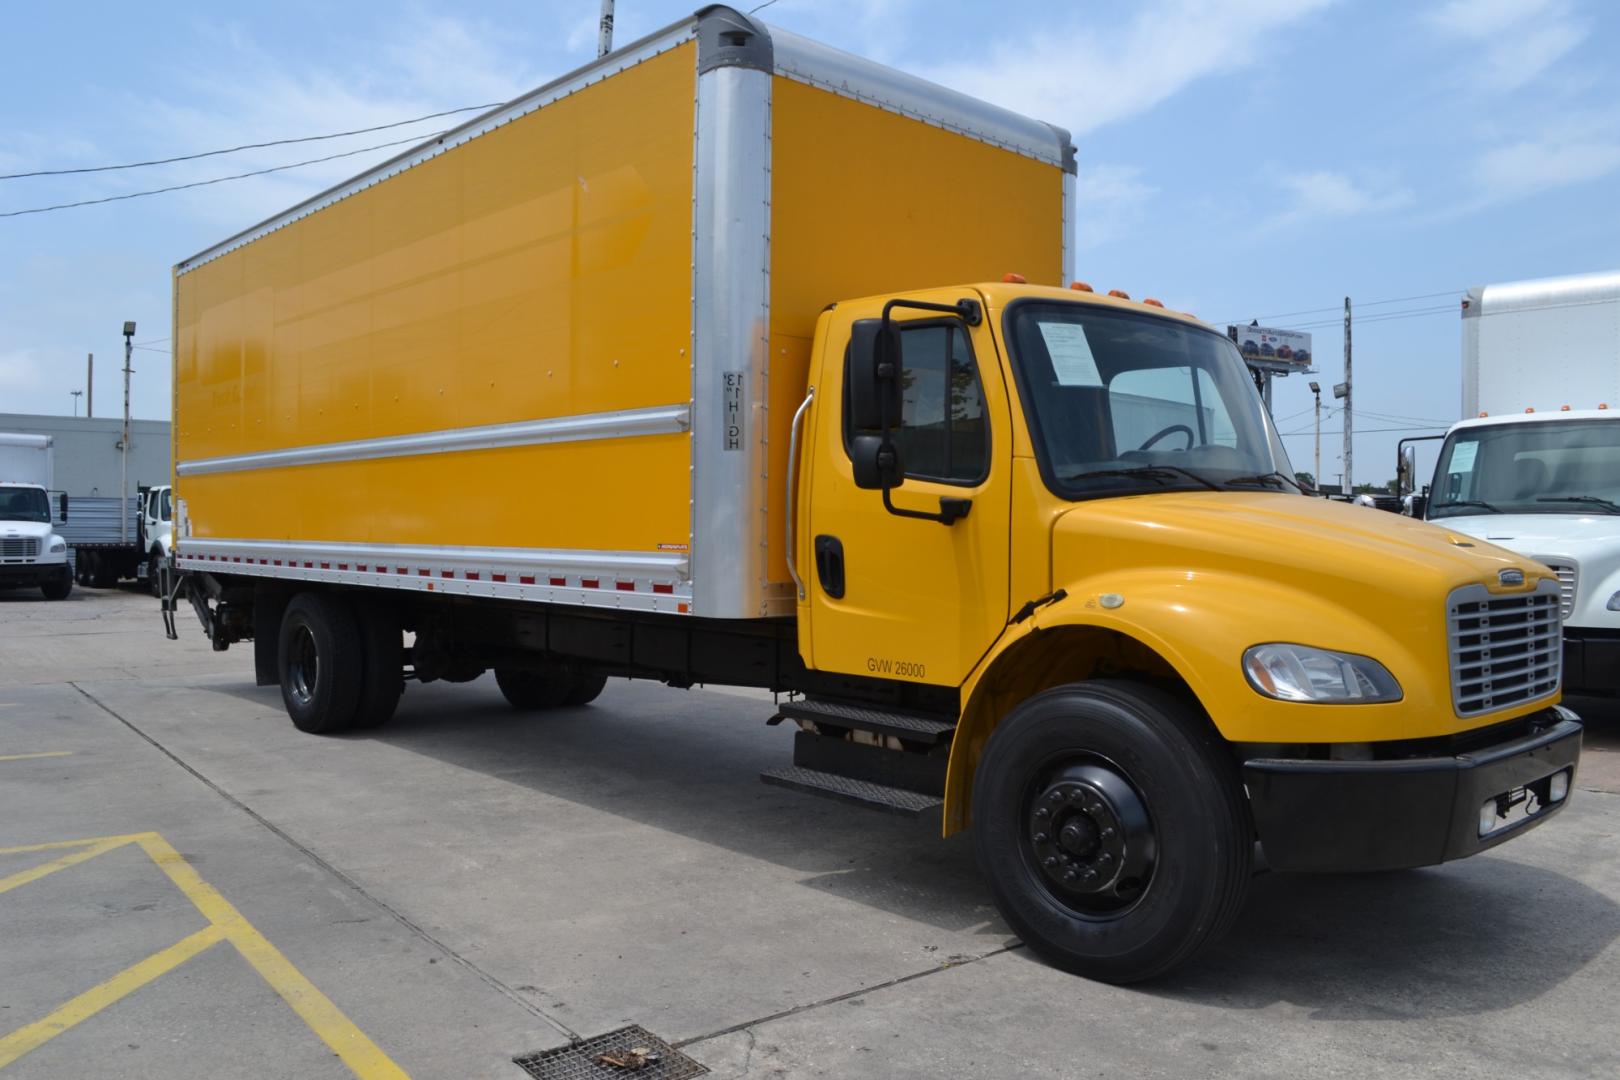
{"x": 244, "y": 146}
{"x": 1340, "y": 307}
{"x": 217, "y": 179}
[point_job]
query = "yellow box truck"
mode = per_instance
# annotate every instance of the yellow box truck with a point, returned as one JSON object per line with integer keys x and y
{"x": 659, "y": 371}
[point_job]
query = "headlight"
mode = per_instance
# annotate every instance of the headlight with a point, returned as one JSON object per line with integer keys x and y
{"x": 58, "y": 545}
{"x": 1301, "y": 673}
{"x": 1614, "y": 602}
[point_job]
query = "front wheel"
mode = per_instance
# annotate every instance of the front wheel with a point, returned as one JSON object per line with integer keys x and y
{"x": 154, "y": 574}
{"x": 59, "y": 586}
{"x": 1110, "y": 826}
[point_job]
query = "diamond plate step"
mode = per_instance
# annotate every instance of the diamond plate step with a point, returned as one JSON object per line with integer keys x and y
{"x": 901, "y": 725}
{"x": 890, "y": 800}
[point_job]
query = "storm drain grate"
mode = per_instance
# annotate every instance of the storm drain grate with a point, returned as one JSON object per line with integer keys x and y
{"x": 580, "y": 1061}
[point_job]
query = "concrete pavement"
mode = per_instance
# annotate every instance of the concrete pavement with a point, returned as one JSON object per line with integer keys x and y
{"x": 469, "y": 884}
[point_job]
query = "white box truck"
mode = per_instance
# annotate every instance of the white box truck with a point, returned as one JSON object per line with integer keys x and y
{"x": 31, "y": 553}
{"x": 1535, "y": 466}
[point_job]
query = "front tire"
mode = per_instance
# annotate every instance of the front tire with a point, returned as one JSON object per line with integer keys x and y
{"x": 1109, "y": 822}
{"x": 59, "y": 586}
{"x": 154, "y": 574}
{"x": 320, "y": 659}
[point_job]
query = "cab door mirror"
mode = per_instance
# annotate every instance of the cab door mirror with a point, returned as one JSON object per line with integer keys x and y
{"x": 874, "y": 376}
{"x": 61, "y": 507}
{"x": 872, "y": 385}
{"x": 1406, "y": 470}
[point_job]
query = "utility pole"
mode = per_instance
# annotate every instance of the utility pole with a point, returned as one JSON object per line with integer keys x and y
{"x": 1316, "y": 390}
{"x": 604, "y": 33}
{"x": 76, "y": 395}
{"x": 123, "y": 446}
{"x": 90, "y": 386}
{"x": 1349, "y": 388}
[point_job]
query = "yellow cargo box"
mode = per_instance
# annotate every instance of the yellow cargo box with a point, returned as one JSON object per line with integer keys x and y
{"x": 553, "y": 354}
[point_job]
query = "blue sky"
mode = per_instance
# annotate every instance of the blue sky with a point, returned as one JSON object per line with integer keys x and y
{"x": 1238, "y": 159}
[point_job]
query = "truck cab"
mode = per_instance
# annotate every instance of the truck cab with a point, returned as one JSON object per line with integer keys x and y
{"x": 157, "y": 533}
{"x": 1547, "y": 485}
{"x": 31, "y": 553}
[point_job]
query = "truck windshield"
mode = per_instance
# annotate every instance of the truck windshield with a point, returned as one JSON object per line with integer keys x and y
{"x": 24, "y": 504}
{"x": 1530, "y": 467}
{"x": 1120, "y": 402}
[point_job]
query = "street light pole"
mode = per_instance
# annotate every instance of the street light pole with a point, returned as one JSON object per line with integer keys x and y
{"x": 76, "y": 394}
{"x": 123, "y": 446}
{"x": 604, "y": 30}
{"x": 1316, "y": 391}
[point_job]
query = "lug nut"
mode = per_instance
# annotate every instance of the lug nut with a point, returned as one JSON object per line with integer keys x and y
{"x": 1108, "y": 833}
{"x": 1068, "y": 875}
{"x": 1105, "y": 858}
{"x": 1041, "y": 811}
{"x": 1049, "y": 861}
{"x": 1041, "y": 838}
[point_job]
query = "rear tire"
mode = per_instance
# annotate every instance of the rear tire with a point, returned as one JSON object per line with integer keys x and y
{"x": 382, "y": 644}
{"x": 586, "y": 689}
{"x": 320, "y": 659}
{"x": 528, "y": 690}
{"x": 1107, "y": 778}
{"x": 60, "y": 586}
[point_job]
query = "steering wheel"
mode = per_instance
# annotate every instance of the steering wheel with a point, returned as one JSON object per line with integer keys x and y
{"x": 1171, "y": 430}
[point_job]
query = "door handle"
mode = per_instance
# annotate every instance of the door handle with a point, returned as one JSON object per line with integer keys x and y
{"x": 830, "y": 565}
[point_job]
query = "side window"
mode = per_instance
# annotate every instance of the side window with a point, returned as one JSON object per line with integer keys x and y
{"x": 944, "y": 434}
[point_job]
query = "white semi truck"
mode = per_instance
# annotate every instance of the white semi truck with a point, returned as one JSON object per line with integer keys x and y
{"x": 31, "y": 552}
{"x": 1535, "y": 464}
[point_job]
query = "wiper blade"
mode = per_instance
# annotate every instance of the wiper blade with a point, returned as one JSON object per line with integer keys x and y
{"x": 1594, "y": 500}
{"x": 1482, "y": 504}
{"x": 1161, "y": 473}
{"x": 1270, "y": 479}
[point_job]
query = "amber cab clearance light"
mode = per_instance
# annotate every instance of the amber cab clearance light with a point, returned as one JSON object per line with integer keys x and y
{"x": 1015, "y": 279}
{"x": 1150, "y": 302}
{"x": 1121, "y": 293}
{"x": 1081, "y": 286}
{"x": 1531, "y": 409}
{"x": 1563, "y": 408}
{"x": 1603, "y": 404}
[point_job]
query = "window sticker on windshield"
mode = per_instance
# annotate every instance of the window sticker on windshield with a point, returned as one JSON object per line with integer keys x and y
{"x": 1072, "y": 361}
{"x": 1462, "y": 457}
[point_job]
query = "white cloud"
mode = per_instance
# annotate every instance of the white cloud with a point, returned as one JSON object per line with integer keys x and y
{"x": 1577, "y": 150}
{"x": 1091, "y": 78}
{"x": 1512, "y": 43}
{"x": 1110, "y": 200}
{"x": 1327, "y": 195}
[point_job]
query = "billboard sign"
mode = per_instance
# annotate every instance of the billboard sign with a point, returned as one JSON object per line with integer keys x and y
{"x": 1285, "y": 348}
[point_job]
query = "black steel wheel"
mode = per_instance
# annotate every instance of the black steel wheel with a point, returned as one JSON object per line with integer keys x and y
{"x": 320, "y": 659}
{"x": 154, "y": 574}
{"x": 1109, "y": 821}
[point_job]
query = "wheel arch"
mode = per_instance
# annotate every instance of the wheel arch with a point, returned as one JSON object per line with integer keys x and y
{"x": 1062, "y": 648}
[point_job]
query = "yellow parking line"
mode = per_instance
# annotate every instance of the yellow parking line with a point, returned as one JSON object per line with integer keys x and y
{"x": 30, "y": 757}
{"x": 363, "y": 1057}
{"x": 92, "y": 1001}
{"x": 337, "y": 1031}
{"x": 34, "y": 873}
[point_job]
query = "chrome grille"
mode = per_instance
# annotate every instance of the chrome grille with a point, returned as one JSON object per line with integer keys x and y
{"x": 1566, "y": 584}
{"x": 1505, "y": 650}
{"x": 19, "y": 548}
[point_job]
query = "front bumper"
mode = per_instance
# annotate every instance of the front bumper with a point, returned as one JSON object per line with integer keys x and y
{"x": 12, "y": 574}
{"x": 1591, "y": 661}
{"x": 1393, "y": 814}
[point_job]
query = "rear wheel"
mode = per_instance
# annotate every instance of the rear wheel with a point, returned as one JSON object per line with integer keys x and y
{"x": 528, "y": 690}
{"x": 59, "y": 586}
{"x": 382, "y": 645}
{"x": 586, "y": 689}
{"x": 1109, "y": 823}
{"x": 320, "y": 658}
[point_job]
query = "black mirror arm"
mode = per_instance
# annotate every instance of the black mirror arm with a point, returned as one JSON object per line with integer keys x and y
{"x": 951, "y": 510}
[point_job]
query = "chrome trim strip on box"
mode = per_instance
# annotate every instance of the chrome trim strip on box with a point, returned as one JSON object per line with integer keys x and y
{"x": 851, "y": 76}
{"x": 730, "y": 349}
{"x": 636, "y": 52}
{"x": 628, "y": 580}
{"x": 628, "y": 423}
